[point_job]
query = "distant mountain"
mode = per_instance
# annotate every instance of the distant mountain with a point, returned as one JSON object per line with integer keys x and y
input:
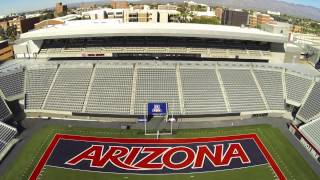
{"x": 273, "y": 5}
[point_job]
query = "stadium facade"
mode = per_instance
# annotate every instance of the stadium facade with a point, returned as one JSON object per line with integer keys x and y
{"x": 105, "y": 40}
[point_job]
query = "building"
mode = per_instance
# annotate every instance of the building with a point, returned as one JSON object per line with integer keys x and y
{"x": 119, "y": 4}
{"x": 234, "y": 18}
{"x": 23, "y": 24}
{"x": 167, "y": 7}
{"x": 28, "y": 16}
{"x": 28, "y": 24}
{"x": 264, "y": 19}
{"x": 60, "y": 9}
{"x": 55, "y": 21}
{"x": 88, "y": 6}
{"x": 296, "y": 29}
{"x": 277, "y": 28}
{"x": 153, "y": 16}
{"x": 207, "y": 13}
{"x": 310, "y": 44}
{"x": 6, "y": 51}
{"x": 139, "y": 7}
{"x": 253, "y": 21}
{"x": 275, "y": 13}
{"x": 4, "y": 24}
{"x": 128, "y": 15}
{"x": 47, "y": 23}
{"x": 218, "y": 12}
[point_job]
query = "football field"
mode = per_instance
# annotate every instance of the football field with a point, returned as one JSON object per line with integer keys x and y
{"x": 247, "y": 152}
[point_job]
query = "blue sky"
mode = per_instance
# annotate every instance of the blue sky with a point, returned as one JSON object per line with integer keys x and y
{"x": 9, "y": 6}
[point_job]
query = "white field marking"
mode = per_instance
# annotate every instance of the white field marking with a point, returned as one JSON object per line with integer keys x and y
{"x": 280, "y": 161}
{"x": 102, "y": 172}
{"x": 29, "y": 166}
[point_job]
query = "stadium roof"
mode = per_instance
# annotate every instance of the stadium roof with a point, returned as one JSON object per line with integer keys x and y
{"x": 89, "y": 28}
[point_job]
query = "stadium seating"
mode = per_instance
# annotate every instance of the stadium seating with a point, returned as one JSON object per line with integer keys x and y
{"x": 271, "y": 85}
{"x": 69, "y": 88}
{"x": 38, "y": 82}
{"x": 156, "y": 85}
{"x": 241, "y": 89}
{"x": 311, "y": 131}
{"x": 12, "y": 83}
{"x": 7, "y": 134}
{"x": 310, "y": 109}
{"x": 212, "y": 48}
{"x": 5, "y": 112}
{"x": 297, "y": 87}
{"x": 195, "y": 86}
{"x": 201, "y": 91}
{"x": 111, "y": 90}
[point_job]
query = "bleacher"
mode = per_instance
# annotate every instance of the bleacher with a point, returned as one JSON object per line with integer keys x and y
{"x": 310, "y": 109}
{"x": 209, "y": 48}
{"x": 201, "y": 91}
{"x": 242, "y": 91}
{"x": 12, "y": 83}
{"x": 111, "y": 90}
{"x": 192, "y": 88}
{"x": 297, "y": 87}
{"x": 156, "y": 85}
{"x": 5, "y": 112}
{"x": 7, "y": 134}
{"x": 311, "y": 132}
{"x": 272, "y": 87}
{"x": 38, "y": 82}
{"x": 69, "y": 89}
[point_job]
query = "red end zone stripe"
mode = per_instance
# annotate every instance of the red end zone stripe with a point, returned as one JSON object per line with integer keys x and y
{"x": 45, "y": 157}
{"x": 157, "y": 141}
{"x": 57, "y": 137}
{"x": 269, "y": 158}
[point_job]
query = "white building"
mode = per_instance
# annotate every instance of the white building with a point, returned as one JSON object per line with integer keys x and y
{"x": 207, "y": 13}
{"x": 278, "y": 28}
{"x": 130, "y": 15}
{"x": 275, "y": 13}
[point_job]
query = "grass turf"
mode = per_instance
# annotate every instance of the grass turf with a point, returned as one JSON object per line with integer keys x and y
{"x": 288, "y": 159}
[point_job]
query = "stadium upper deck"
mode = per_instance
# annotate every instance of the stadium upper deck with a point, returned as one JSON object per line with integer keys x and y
{"x": 86, "y": 29}
{"x": 102, "y": 39}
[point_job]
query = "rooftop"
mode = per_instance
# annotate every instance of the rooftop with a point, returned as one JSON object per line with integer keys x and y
{"x": 101, "y": 28}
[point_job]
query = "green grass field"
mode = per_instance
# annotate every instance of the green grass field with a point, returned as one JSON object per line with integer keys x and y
{"x": 288, "y": 159}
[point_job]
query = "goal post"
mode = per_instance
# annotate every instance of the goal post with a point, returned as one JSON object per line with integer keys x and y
{"x": 157, "y": 109}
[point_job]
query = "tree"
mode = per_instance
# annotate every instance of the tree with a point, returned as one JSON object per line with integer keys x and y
{"x": 11, "y": 32}
{"x": 183, "y": 13}
{"x": 2, "y": 34}
{"x": 206, "y": 20}
{"x": 48, "y": 15}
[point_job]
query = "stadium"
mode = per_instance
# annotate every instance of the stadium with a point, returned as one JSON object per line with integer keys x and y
{"x": 90, "y": 99}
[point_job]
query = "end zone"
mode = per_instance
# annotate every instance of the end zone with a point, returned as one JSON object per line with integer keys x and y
{"x": 155, "y": 156}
